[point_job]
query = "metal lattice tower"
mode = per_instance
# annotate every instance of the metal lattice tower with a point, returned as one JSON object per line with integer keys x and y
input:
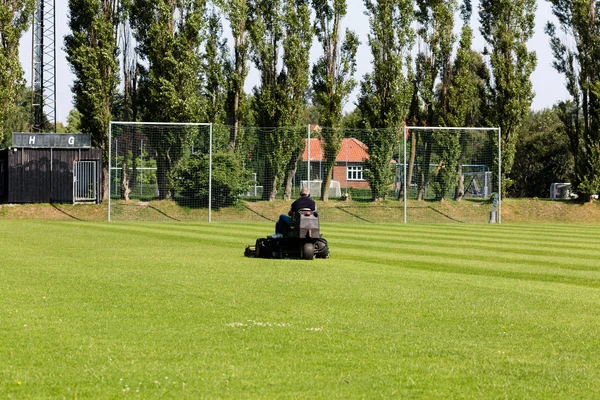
{"x": 44, "y": 66}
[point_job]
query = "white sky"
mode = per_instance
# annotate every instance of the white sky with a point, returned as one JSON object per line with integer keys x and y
{"x": 547, "y": 83}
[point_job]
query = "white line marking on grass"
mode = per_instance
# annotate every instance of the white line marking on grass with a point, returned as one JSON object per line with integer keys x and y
{"x": 258, "y": 323}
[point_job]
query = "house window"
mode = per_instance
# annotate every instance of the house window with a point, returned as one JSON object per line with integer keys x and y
{"x": 355, "y": 173}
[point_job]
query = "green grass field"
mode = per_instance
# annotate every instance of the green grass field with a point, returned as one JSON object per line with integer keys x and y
{"x": 171, "y": 310}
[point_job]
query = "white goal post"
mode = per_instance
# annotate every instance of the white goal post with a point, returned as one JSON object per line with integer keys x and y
{"x": 458, "y": 131}
{"x": 134, "y": 124}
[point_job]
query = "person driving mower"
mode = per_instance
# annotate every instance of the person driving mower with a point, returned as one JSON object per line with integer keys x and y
{"x": 303, "y": 202}
{"x": 303, "y": 241}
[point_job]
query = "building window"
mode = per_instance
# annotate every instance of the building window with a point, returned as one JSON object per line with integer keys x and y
{"x": 355, "y": 173}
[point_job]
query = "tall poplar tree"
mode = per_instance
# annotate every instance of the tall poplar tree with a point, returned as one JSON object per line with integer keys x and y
{"x": 466, "y": 89}
{"x": 92, "y": 51}
{"x": 266, "y": 33}
{"x": 385, "y": 93}
{"x": 215, "y": 65}
{"x": 295, "y": 79}
{"x": 277, "y": 25}
{"x": 507, "y": 26}
{"x": 436, "y": 23}
{"x": 237, "y": 13}
{"x": 169, "y": 35}
{"x": 576, "y": 57}
{"x": 332, "y": 78}
{"x": 127, "y": 108}
{"x": 15, "y": 17}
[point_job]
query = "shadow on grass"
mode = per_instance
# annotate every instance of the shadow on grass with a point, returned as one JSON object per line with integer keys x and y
{"x": 163, "y": 213}
{"x": 151, "y": 207}
{"x": 354, "y": 215}
{"x": 259, "y": 214}
{"x": 445, "y": 215}
{"x": 65, "y": 213}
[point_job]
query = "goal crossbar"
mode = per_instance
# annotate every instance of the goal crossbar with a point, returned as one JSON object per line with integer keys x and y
{"x": 209, "y": 125}
{"x": 464, "y": 129}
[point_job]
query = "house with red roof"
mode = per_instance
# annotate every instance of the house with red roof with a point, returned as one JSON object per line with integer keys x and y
{"x": 349, "y": 163}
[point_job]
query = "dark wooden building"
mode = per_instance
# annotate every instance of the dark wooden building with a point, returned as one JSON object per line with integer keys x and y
{"x": 51, "y": 168}
{"x": 3, "y": 176}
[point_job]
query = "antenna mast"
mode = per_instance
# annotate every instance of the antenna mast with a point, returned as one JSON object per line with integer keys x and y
{"x": 43, "y": 88}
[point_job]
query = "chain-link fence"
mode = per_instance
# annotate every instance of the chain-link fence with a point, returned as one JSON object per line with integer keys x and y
{"x": 203, "y": 172}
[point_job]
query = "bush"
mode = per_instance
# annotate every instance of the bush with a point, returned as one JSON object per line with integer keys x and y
{"x": 229, "y": 180}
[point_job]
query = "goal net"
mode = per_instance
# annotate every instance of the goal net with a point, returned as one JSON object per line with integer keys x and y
{"x": 448, "y": 174}
{"x": 205, "y": 172}
{"x": 159, "y": 171}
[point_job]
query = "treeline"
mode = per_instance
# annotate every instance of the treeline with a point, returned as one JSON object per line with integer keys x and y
{"x": 169, "y": 61}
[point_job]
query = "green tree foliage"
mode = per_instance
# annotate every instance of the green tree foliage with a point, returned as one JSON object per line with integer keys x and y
{"x": 295, "y": 79}
{"x": 507, "y": 26}
{"x": 229, "y": 179}
{"x": 280, "y": 98}
{"x": 542, "y": 155}
{"x": 19, "y": 117}
{"x": 352, "y": 120}
{"x": 15, "y": 18}
{"x": 266, "y": 33}
{"x": 215, "y": 65}
{"x": 168, "y": 33}
{"x": 126, "y": 107}
{"x": 332, "y": 78}
{"x": 436, "y": 23}
{"x": 237, "y": 13}
{"x": 577, "y": 51}
{"x": 385, "y": 93}
{"x": 466, "y": 90}
{"x": 446, "y": 145}
{"x": 435, "y": 20}
{"x": 92, "y": 51}
{"x": 74, "y": 121}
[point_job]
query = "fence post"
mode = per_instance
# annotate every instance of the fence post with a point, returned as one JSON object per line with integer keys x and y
{"x": 210, "y": 150}
{"x": 499, "y": 175}
{"x": 308, "y": 157}
{"x": 141, "y": 172}
{"x": 493, "y": 213}
{"x": 109, "y": 164}
{"x": 404, "y": 183}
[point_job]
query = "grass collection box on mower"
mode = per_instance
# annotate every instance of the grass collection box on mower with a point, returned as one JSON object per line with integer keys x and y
{"x": 302, "y": 240}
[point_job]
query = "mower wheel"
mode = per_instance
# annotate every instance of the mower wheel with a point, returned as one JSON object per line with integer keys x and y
{"x": 308, "y": 251}
{"x": 257, "y": 247}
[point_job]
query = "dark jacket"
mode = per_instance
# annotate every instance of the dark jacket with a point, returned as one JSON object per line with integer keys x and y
{"x": 303, "y": 202}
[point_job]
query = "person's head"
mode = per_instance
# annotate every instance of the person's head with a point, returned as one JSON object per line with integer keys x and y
{"x": 304, "y": 192}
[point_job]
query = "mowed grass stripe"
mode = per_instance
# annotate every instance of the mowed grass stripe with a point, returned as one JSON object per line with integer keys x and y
{"x": 461, "y": 250}
{"x": 582, "y": 237}
{"x": 477, "y": 245}
{"x": 207, "y": 234}
{"x": 582, "y": 260}
{"x": 112, "y": 311}
{"x": 485, "y": 268}
{"x": 504, "y": 242}
{"x": 459, "y": 256}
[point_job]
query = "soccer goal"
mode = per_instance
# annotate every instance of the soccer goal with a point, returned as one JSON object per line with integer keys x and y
{"x": 461, "y": 165}
{"x": 160, "y": 171}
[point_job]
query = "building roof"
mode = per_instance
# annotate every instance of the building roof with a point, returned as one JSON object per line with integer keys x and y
{"x": 352, "y": 150}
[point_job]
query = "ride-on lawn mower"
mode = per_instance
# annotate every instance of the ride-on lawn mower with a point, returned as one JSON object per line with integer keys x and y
{"x": 302, "y": 240}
